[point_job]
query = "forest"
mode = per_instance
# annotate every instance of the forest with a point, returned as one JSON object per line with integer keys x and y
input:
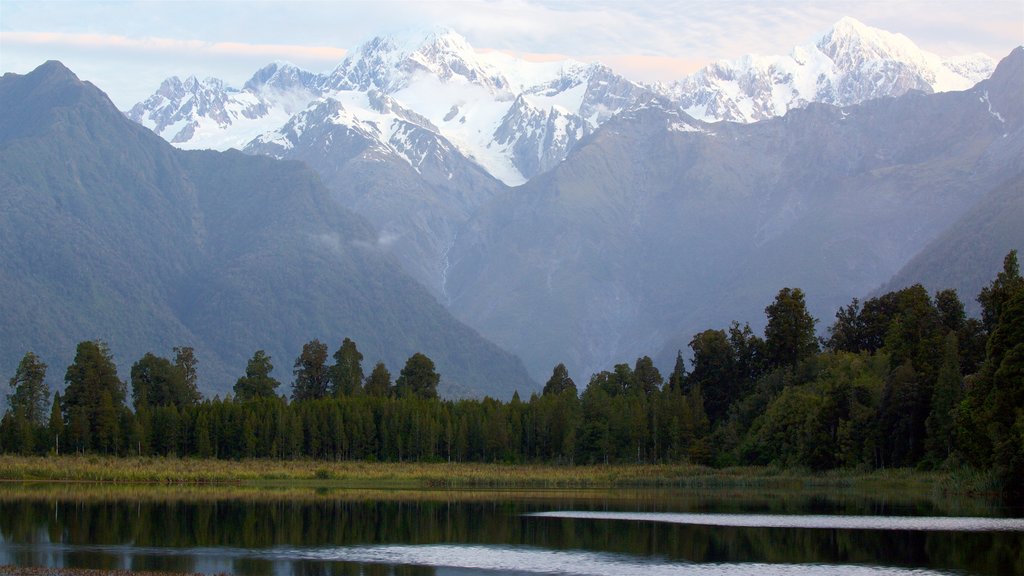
{"x": 902, "y": 380}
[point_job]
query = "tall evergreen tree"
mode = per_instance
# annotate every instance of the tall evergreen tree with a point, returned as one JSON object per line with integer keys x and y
{"x": 56, "y": 423}
{"x": 347, "y": 373}
{"x": 559, "y": 382}
{"x": 378, "y": 384}
{"x": 94, "y": 398}
{"x": 418, "y": 378}
{"x": 714, "y": 370}
{"x": 257, "y": 382}
{"x": 993, "y": 298}
{"x": 31, "y": 396}
{"x": 646, "y": 376}
{"x": 789, "y": 335}
{"x": 945, "y": 396}
{"x": 311, "y": 378}
{"x": 677, "y": 379}
{"x": 157, "y": 382}
{"x": 186, "y": 363}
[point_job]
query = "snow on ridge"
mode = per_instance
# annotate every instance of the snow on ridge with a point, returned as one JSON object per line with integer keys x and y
{"x": 834, "y": 69}
{"x": 516, "y": 117}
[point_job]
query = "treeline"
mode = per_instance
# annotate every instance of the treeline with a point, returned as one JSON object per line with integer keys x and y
{"x": 902, "y": 380}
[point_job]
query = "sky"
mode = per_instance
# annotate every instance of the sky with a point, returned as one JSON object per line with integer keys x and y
{"x": 128, "y": 48}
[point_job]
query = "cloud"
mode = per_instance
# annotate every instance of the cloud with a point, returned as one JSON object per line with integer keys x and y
{"x": 170, "y": 45}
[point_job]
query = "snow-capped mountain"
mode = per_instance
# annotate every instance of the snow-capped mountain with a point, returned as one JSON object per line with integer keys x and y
{"x": 196, "y": 114}
{"x": 850, "y": 64}
{"x": 512, "y": 117}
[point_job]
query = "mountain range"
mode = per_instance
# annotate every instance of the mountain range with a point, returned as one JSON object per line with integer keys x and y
{"x": 109, "y": 232}
{"x": 570, "y": 215}
{"x": 659, "y": 226}
{"x": 468, "y": 124}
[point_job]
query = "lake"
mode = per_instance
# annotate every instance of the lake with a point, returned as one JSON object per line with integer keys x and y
{"x": 324, "y": 531}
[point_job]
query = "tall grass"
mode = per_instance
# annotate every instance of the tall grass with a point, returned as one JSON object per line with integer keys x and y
{"x": 190, "y": 471}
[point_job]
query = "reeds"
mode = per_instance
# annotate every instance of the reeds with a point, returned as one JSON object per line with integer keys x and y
{"x": 190, "y": 471}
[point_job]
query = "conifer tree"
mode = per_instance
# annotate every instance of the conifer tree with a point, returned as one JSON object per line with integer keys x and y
{"x": 311, "y": 377}
{"x": 31, "y": 395}
{"x": 347, "y": 373}
{"x": 418, "y": 378}
{"x": 257, "y": 382}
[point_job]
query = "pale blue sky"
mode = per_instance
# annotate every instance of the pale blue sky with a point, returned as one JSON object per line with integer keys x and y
{"x": 127, "y": 48}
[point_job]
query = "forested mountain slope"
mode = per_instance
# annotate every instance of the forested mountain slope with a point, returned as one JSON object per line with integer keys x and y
{"x": 108, "y": 232}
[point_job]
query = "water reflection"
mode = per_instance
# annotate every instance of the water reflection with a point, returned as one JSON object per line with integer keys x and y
{"x": 949, "y": 524}
{"x": 312, "y": 533}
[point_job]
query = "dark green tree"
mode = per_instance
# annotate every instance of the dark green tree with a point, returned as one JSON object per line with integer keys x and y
{"x": 378, "y": 384}
{"x": 993, "y": 298}
{"x": 186, "y": 363}
{"x": 646, "y": 376}
{"x": 945, "y": 397}
{"x": 714, "y": 370}
{"x": 951, "y": 310}
{"x": 157, "y": 382}
{"x": 311, "y": 373}
{"x": 347, "y": 373}
{"x": 847, "y": 333}
{"x": 257, "y": 382}
{"x": 94, "y": 398}
{"x": 55, "y": 427}
{"x": 31, "y": 394}
{"x": 560, "y": 382}
{"x": 418, "y": 378}
{"x": 789, "y": 335}
{"x": 677, "y": 379}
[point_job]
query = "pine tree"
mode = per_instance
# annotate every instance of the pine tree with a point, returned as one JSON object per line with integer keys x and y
{"x": 418, "y": 378}
{"x": 559, "y": 382}
{"x": 945, "y": 397}
{"x": 94, "y": 398}
{"x": 789, "y": 335}
{"x": 347, "y": 373}
{"x": 311, "y": 378}
{"x": 257, "y": 382}
{"x": 379, "y": 382}
{"x": 31, "y": 395}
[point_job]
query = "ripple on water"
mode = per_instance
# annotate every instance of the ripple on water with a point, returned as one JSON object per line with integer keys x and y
{"x": 521, "y": 560}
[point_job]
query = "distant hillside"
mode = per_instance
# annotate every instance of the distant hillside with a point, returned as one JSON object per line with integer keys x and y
{"x": 659, "y": 226}
{"x": 109, "y": 232}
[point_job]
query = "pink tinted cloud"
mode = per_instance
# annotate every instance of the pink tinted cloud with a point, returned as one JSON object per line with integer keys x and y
{"x": 109, "y": 41}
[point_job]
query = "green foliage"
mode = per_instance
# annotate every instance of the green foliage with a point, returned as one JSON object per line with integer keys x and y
{"x": 257, "y": 382}
{"x": 994, "y": 297}
{"x": 789, "y": 334}
{"x": 379, "y": 382}
{"x": 312, "y": 378}
{"x": 346, "y": 376}
{"x": 31, "y": 395}
{"x": 94, "y": 399}
{"x": 157, "y": 382}
{"x": 904, "y": 403}
{"x": 418, "y": 378}
{"x": 945, "y": 397}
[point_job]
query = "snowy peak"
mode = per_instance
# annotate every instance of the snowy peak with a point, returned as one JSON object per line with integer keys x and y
{"x": 850, "y": 44}
{"x": 180, "y": 107}
{"x": 849, "y": 64}
{"x": 282, "y": 76}
{"x": 195, "y": 113}
{"x": 389, "y": 63}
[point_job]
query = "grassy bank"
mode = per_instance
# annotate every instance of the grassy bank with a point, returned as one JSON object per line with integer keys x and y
{"x": 448, "y": 475}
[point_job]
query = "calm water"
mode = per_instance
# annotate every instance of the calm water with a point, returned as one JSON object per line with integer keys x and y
{"x": 644, "y": 532}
